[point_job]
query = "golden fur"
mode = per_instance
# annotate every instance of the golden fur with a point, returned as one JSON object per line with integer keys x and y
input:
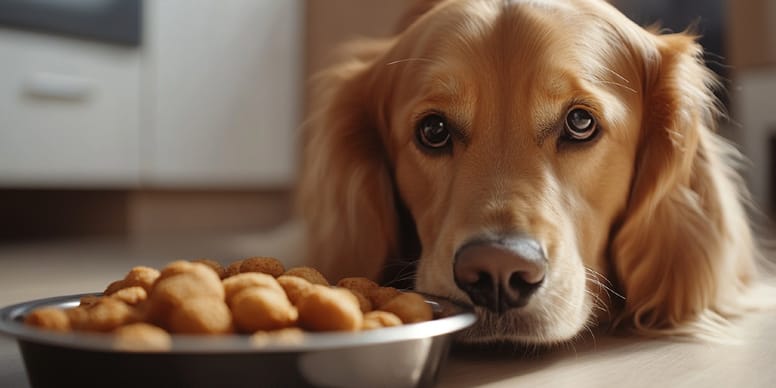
{"x": 643, "y": 226}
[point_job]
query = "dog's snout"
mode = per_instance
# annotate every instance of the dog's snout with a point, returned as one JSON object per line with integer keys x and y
{"x": 500, "y": 274}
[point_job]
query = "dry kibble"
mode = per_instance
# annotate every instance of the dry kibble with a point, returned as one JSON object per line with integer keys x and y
{"x": 89, "y": 300}
{"x": 380, "y": 295}
{"x": 378, "y": 319}
{"x": 267, "y": 265}
{"x": 130, "y": 295}
{"x": 287, "y": 336}
{"x": 310, "y": 274}
{"x": 409, "y": 307}
{"x": 171, "y": 292}
{"x": 106, "y": 315}
{"x": 176, "y": 267}
{"x": 329, "y": 309}
{"x": 78, "y": 317}
{"x": 253, "y": 296}
{"x": 259, "y": 308}
{"x": 137, "y": 277}
{"x": 174, "y": 290}
{"x": 232, "y": 269}
{"x": 141, "y": 277}
{"x": 357, "y": 283}
{"x": 214, "y": 265}
{"x": 140, "y": 337}
{"x": 363, "y": 302}
{"x": 197, "y": 270}
{"x": 114, "y": 287}
{"x": 49, "y": 318}
{"x": 237, "y": 283}
{"x": 295, "y": 287}
{"x": 201, "y": 316}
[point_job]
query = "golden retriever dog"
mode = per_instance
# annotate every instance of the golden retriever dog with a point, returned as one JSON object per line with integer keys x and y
{"x": 548, "y": 162}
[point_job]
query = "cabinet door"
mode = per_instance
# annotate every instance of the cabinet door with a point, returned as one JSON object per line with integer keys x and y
{"x": 68, "y": 112}
{"x": 754, "y": 112}
{"x": 224, "y": 97}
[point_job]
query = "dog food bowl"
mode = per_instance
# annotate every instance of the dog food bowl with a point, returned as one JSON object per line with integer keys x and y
{"x": 403, "y": 356}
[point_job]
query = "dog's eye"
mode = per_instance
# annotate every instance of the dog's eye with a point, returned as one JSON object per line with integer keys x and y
{"x": 433, "y": 132}
{"x": 580, "y": 125}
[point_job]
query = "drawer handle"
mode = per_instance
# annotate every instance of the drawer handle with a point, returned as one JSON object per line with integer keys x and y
{"x": 58, "y": 86}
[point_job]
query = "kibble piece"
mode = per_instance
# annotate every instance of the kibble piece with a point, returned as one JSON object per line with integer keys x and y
{"x": 201, "y": 316}
{"x": 171, "y": 292}
{"x": 409, "y": 307}
{"x": 141, "y": 276}
{"x": 198, "y": 270}
{"x": 267, "y": 265}
{"x": 78, "y": 316}
{"x": 114, "y": 287}
{"x": 130, "y": 295}
{"x": 137, "y": 277}
{"x": 49, "y": 318}
{"x": 105, "y": 315}
{"x": 141, "y": 337}
{"x": 259, "y": 308}
{"x": 287, "y": 336}
{"x": 295, "y": 287}
{"x": 214, "y": 265}
{"x": 329, "y": 309}
{"x": 89, "y": 301}
{"x": 363, "y": 302}
{"x": 176, "y": 289}
{"x": 232, "y": 269}
{"x": 357, "y": 283}
{"x": 237, "y": 283}
{"x": 310, "y": 274}
{"x": 380, "y": 295}
{"x": 379, "y": 319}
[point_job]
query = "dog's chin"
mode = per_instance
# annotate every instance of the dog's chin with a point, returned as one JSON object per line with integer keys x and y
{"x": 516, "y": 327}
{"x": 552, "y": 315}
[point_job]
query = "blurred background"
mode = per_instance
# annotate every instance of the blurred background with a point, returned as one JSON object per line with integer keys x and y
{"x": 135, "y": 119}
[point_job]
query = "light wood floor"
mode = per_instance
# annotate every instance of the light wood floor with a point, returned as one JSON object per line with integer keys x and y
{"x": 33, "y": 271}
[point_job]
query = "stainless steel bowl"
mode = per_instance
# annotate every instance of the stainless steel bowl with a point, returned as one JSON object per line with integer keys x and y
{"x": 405, "y": 356}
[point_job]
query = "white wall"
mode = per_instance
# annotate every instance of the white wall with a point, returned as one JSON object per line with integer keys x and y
{"x": 223, "y": 92}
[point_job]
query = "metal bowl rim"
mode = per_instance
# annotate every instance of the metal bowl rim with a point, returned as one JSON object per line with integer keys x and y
{"x": 456, "y": 317}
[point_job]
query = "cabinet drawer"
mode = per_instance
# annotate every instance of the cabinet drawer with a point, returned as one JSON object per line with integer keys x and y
{"x": 69, "y": 112}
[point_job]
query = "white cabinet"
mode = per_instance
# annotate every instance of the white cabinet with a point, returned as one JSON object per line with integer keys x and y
{"x": 69, "y": 112}
{"x": 211, "y": 99}
{"x": 224, "y": 85}
{"x": 755, "y": 111}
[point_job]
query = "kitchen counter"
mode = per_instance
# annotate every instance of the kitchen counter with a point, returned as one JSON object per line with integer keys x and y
{"x": 31, "y": 271}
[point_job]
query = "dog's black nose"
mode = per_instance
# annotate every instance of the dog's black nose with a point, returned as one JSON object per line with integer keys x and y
{"x": 500, "y": 274}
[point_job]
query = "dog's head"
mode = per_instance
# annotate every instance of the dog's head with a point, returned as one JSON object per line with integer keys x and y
{"x": 551, "y": 157}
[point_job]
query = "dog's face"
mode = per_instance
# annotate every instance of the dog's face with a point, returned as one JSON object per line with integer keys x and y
{"x": 541, "y": 147}
{"x": 516, "y": 127}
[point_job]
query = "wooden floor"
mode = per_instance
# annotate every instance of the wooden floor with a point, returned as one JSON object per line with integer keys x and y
{"x": 31, "y": 271}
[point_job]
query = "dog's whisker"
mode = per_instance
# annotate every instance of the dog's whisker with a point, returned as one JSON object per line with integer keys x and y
{"x": 598, "y": 275}
{"x": 626, "y": 87}
{"x": 598, "y": 279}
{"x": 618, "y": 75}
{"x": 598, "y": 303}
{"x": 406, "y": 60}
{"x": 568, "y": 303}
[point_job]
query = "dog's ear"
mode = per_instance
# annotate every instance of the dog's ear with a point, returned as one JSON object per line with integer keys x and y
{"x": 684, "y": 250}
{"x": 345, "y": 193}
